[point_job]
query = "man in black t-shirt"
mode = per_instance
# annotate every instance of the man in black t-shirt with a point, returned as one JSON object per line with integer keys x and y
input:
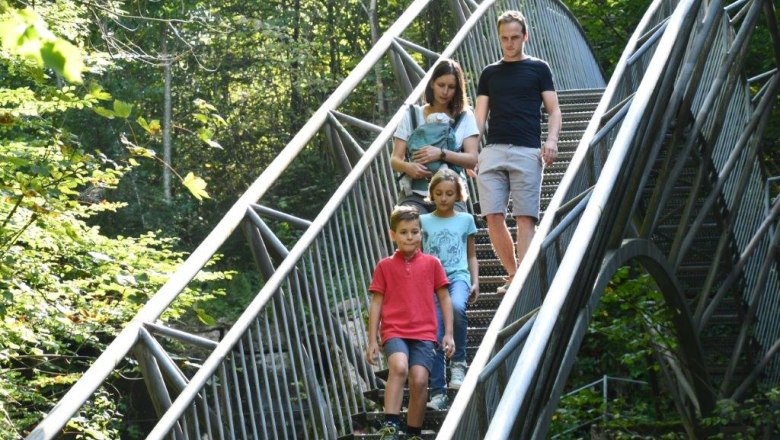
{"x": 509, "y": 98}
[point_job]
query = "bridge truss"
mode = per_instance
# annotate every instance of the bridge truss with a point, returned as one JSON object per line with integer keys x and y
{"x": 665, "y": 174}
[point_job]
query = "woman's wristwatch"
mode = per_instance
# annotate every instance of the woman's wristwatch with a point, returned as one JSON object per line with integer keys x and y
{"x": 442, "y": 156}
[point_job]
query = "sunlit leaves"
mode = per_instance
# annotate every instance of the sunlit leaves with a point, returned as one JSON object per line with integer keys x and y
{"x": 96, "y": 91}
{"x": 27, "y": 35}
{"x": 196, "y": 185}
{"x": 152, "y": 127}
{"x": 204, "y": 316}
{"x": 120, "y": 109}
{"x": 209, "y": 121}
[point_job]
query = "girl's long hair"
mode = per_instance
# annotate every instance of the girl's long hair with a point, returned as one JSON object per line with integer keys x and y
{"x": 451, "y": 176}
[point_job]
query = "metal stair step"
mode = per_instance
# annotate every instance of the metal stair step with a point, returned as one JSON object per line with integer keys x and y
{"x": 479, "y": 318}
{"x": 580, "y": 95}
{"x": 377, "y": 395}
{"x": 374, "y": 436}
{"x": 432, "y": 421}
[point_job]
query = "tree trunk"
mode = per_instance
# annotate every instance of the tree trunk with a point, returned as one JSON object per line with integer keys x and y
{"x": 380, "y": 88}
{"x": 166, "y": 120}
{"x": 296, "y": 100}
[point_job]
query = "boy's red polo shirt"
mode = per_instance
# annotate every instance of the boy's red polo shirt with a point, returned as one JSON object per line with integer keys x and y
{"x": 408, "y": 286}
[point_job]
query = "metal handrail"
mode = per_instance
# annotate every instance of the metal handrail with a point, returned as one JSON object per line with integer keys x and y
{"x": 317, "y": 289}
{"x": 519, "y": 383}
{"x": 590, "y": 231}
{"x": 80, "y": 392}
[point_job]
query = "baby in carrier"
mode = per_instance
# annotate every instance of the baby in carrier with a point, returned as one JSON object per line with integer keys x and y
{"x": 437, "y": 131}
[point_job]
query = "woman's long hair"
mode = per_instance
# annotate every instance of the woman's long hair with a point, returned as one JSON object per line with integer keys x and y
{"x": 459, "y": 100}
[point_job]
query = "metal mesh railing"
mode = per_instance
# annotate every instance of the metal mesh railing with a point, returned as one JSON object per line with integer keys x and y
{"x": 292, "y": 365}
{"x": 469, "y": 415}
{"x": 597, "y": 202}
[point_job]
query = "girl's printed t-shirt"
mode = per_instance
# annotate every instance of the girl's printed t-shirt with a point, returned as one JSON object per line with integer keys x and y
{"x": 447, "y": 239}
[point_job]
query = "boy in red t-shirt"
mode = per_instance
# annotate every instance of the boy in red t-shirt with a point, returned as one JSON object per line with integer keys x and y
{"x": 401, "y": 300}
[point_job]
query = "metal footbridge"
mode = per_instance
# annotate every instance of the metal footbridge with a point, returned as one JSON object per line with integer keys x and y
{"x": 658, "y": 167}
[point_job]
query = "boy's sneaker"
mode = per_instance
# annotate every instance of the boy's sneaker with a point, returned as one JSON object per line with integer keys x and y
{"x": 389, "y": 432}
{"x": 457, "y": 373}
{"x": 439, "y": 402}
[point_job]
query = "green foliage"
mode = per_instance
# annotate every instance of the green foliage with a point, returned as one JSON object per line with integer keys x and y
{"x": 756, "y": 417}
{"x": 26, "y": 34}
{"x": 66, "y": 289}
{"x": 630, "y": 326}
{"x": 608, "y": 24}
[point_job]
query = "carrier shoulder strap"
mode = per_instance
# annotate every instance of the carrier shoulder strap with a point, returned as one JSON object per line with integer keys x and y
{"x": 458, "y": 119}
{"x": 413, "y": 115}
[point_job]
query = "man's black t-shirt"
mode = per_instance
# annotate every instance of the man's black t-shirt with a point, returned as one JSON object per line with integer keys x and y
{"x": 515, "y": 91}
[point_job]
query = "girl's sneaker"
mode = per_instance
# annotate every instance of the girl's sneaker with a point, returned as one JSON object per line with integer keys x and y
{"x": 457, "y": 373}
{"x": 439, "y": 402}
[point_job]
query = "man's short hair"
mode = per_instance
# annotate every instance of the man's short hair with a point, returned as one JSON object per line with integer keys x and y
{"x": 401, "y": 213}
{"x": 510, "y": 16}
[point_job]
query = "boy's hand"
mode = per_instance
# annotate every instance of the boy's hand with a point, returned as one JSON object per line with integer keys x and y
{"x": 372, "y": 352}
{"x": 448, "y": 345}
{"x": 474, "y": 294}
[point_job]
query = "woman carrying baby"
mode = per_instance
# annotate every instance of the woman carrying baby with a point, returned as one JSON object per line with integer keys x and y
{"x": 445, "y": 93}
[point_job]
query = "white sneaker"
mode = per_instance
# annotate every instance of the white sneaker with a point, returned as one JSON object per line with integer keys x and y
{"x": 457, "y": 373}
{"x": 439, "y": 402}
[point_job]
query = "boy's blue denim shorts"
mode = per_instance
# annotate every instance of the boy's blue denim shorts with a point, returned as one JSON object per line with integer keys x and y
{"x": 418, "y": 352}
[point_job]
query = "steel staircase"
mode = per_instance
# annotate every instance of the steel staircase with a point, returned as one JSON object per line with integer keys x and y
{"x": 677, "y": 118}
{"x": 658, "y": 175}
{"x": 577, "y": 107}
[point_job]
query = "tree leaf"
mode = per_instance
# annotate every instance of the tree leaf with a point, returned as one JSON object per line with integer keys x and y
{"x": 96, "y": 91}
{"x": 141, "y": 151}
{"x": 204, "y": 317}
{"x": 102, "y": 111}
{"x": 152, "y": 127}
{"x": 64, "y": 58}
{"x": 196, "y": 185}
{"x": 122, "y": 109}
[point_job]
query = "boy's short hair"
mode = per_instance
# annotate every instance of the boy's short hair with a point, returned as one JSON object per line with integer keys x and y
{"x": 401, "y": 213}
{"x": 509, "y": 17}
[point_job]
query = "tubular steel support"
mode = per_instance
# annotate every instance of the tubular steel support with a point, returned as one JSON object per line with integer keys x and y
{"x": 292, "y": 364}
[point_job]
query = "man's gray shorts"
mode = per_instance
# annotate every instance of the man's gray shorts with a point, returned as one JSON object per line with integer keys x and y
{"x": 506, "y": 170}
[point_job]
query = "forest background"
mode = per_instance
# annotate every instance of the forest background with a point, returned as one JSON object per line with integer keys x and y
{"x": 127, "y": 129}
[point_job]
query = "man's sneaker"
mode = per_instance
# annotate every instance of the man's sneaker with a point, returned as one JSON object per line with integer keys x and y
{"x": 501, "y": 290}
{"x": 439, "y": 402}
{"x": 389, "y": 432}
{"x": 457, "y": 373}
